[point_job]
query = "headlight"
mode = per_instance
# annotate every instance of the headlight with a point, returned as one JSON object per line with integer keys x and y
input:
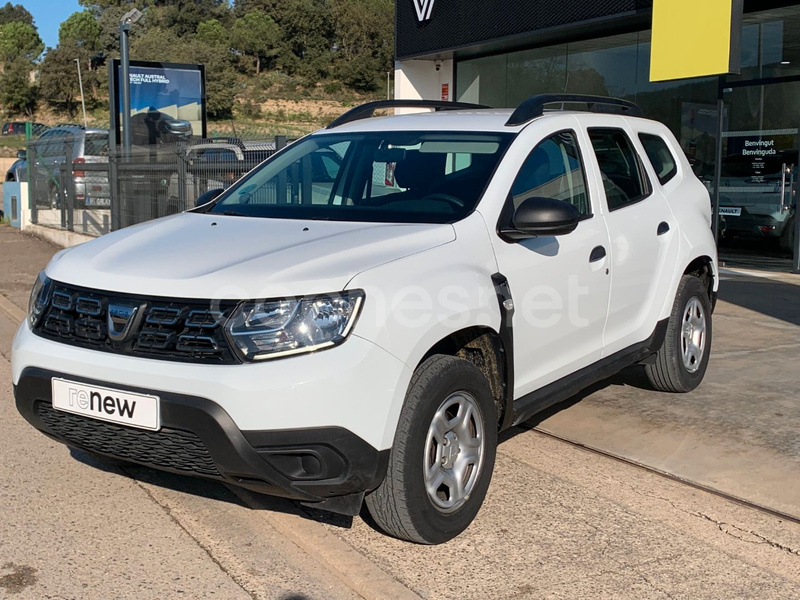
{"x": 272, "y": 328}
{"x": 40, "y": 295}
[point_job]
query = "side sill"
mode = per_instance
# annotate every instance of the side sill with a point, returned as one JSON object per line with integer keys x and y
{"x": 558, "y": 391}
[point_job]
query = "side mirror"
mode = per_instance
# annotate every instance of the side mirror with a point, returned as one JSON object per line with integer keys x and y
{"x": 208, "y": 196}
{"x": 538, "y": 216}
{"x": 22, "y": 154}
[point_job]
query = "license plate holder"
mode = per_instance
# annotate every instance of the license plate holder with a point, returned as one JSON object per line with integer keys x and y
{"x": 142, "y": 411}
{"x": 730, "y": 211}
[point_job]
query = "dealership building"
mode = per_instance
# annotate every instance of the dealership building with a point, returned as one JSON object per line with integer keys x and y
{"x": 499, "y": 52}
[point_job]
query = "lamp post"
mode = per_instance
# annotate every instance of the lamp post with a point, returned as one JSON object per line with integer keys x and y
{"x": 128, "y": 19}
{"x": 80, "y": 83}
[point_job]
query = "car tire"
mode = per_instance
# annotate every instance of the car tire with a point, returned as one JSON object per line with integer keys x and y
{"x": 434, "y": 484}
{"x": 682, "y": 360}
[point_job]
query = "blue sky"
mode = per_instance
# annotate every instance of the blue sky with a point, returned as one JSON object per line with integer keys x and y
{"x": 48, "y": 15}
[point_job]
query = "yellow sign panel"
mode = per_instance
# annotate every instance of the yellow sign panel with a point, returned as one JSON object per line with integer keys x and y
{"x": 693, "y": 38}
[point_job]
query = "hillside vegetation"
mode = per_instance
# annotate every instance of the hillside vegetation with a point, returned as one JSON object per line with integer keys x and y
{"x": 272, "y": 66}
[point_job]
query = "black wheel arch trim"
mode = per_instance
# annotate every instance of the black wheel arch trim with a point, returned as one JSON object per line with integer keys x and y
{"x": 506, "y": 333}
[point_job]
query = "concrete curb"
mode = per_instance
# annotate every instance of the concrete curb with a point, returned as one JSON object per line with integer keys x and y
{"x": 354, "y": 569}
{"x": 15, "y": 313}
{"x": 59, "y": 237}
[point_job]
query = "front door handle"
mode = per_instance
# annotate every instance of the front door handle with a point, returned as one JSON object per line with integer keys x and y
{"x": 663, "y": 228}
{"x": 598, "y": 253}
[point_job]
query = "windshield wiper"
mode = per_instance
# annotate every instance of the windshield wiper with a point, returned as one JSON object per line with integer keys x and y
{"x": 233, "y": 213}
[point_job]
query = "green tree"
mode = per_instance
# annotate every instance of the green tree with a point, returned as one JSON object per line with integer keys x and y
{"x": 213, "y": 33}
{"x": 182, "y": 17}
{"x": 164, "y": 45}
{"x": 58, "y": 77}
{"x": 17, "y": 94}
{"x": 83, "y": 28}
{"x": 15, "y": 13}
{"x": 98, "y": 6}
{"x": 364, "y": 34}
{"x": 19, "y": 41}
{"x": 255, "y": 35}
{"x": 307, "y": 33}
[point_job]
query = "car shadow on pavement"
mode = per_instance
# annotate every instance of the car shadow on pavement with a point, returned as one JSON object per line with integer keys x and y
{"x": 633, "y": 376}
{"x": 771, "y": 298}
{"x": 179, "y": 483}
{"x": 206, "y": 488}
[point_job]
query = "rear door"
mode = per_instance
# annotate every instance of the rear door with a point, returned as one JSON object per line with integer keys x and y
{"x": 642, "y": 230}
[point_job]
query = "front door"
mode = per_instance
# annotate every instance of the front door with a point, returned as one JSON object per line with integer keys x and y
{"x": 560, "y": 285}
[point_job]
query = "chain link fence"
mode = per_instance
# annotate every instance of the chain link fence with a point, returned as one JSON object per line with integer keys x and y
{"x": 77, "y": 183}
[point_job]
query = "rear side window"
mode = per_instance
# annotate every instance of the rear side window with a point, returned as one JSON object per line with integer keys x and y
{"x": 96, "y": 145}
{"x": 623, "y": 178}
{"x": 553, "y": 170}
{"x": 660, "y": 157}
{"x": 53, "y": 143}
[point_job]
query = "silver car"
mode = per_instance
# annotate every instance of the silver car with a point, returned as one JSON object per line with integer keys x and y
{"x": 76, "y": 145}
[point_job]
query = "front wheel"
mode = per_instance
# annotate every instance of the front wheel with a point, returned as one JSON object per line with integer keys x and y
{"x": 443, "y": 455}
{"x": 682, "y": 360}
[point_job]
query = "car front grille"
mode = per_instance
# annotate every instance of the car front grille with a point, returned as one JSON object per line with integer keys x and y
{"x": 168, "y": 448}
{"x": 161, "y": 328}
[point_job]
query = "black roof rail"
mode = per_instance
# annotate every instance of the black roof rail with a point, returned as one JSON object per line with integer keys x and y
{"x": 365, "y": 111}
{"x": 534, "y": 106}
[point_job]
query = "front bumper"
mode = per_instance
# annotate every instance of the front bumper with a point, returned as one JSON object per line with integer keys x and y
{"x": 356, "y": 386}
{"x": 198, "y": 437}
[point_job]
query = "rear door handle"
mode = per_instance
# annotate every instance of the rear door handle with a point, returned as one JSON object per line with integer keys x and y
{"x": 598, "y": 253}
{"x": 663, "y": 228}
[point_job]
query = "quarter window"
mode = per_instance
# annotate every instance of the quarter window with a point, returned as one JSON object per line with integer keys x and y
{"x": 623, "y": 179}
{"x": 553, "y": 170}
{"x": 660, "y": 157}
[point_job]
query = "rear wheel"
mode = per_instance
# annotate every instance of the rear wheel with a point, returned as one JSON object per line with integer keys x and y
{"x": 682, "y": 360}
{"x": 443, "y": 455}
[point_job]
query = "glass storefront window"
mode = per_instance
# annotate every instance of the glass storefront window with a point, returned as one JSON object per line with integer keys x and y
{"x": 761, "y": 121}
{"x": 604, "y": 67}
{"x": 483, "y": 80}
{"x": 536, "y": 71}
{"x": 770, "y": 44}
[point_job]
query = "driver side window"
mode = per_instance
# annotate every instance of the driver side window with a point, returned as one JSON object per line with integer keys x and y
{"x": 553, "y": 170}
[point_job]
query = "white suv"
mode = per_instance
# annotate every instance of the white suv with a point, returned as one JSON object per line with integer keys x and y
{"x": 365, "y": 311}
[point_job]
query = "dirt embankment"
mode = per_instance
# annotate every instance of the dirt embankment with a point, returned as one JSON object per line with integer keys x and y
{"x": 313, "y": 108}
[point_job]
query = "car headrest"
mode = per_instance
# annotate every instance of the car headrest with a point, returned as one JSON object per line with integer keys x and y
{"x": 418, "y": 170}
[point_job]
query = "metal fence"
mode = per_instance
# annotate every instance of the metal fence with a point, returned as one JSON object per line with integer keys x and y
{"x": 81, "y": 186}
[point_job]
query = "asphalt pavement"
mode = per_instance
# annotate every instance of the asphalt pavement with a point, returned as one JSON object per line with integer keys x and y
{"x": 559, "y": 521}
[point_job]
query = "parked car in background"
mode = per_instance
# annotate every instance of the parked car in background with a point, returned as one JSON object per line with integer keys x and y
{"x": 19, "y": 128}
{"x": 18, "y": 171}
{"x": 758, "y": 197}
{"x": 69, "y": 146}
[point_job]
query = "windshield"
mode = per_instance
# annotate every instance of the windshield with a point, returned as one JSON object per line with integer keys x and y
{"x": 397, "y": 177}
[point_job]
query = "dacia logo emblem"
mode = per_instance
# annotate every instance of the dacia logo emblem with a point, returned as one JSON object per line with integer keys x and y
{"x": 423, "y": 8}
{"x": 121, "y": 318}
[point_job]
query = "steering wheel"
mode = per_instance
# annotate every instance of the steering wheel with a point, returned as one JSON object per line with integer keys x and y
{"x": 452, "y": 200}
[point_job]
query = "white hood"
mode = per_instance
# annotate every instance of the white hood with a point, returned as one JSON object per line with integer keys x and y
{"x": 213, "y": 256}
